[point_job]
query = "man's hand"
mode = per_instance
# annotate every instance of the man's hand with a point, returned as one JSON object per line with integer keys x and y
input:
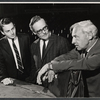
{"x": 51, "y": 75}
{"x": 43, "y": 70}
{"x": 7, "y": 81}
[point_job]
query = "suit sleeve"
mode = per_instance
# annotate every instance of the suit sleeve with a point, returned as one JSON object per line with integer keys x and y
{"x": 32, "y": 77}
{"x": 28, "y": 55}
{"x": 3, "y": 72}
{"x": 92, "y": 62}
{"x": 67, "y": 56}
{"x": 32, "y": 60}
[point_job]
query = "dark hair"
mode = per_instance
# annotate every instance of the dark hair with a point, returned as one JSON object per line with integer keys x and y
{"x": 5, "y": 21}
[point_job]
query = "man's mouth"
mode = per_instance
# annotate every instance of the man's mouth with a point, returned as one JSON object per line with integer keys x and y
{"x": 76, "y": 45}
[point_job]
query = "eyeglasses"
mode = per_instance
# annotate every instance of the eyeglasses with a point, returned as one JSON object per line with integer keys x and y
{"x": 41, "y": 30}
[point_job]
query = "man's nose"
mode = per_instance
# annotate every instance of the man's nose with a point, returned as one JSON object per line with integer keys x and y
{"x": 11, "y": 32}
{"x": 73, "y": 40}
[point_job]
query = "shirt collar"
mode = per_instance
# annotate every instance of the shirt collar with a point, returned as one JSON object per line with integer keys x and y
{"x": 14, "y": 38}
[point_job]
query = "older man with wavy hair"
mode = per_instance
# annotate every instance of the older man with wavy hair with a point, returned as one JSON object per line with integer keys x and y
{"x": 85, "y": 57}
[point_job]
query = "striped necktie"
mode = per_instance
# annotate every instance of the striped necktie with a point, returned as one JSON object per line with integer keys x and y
{"x": 70, "y": 83}
{"x": 73, "y": 84}
{"x": 20, "y": 65}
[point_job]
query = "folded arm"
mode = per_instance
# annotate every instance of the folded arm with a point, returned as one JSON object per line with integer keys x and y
{"x": 66, "y": 62}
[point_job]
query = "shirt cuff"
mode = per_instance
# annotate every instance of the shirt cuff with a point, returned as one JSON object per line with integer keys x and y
{"x": 50, "y": 66}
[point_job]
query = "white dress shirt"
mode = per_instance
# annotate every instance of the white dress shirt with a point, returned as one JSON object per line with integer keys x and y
{"x": 41, "y": 45}
{"x": 18, "y": 47}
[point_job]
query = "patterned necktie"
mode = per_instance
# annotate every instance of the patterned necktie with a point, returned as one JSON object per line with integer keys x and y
{"x": 75, "y": 78}
{"x": 43, "y": 49}
{"x": 20, "y": 65}
{"x": 69, "y": 88}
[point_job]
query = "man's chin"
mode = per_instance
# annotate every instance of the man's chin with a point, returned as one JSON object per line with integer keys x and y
{"x": 78, "y": 49}
{"x": 12, "y": 37}
{"x": 45, "y": 38}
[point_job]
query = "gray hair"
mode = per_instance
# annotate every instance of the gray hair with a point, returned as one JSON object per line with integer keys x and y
{"x": 34, "y": 20}
{"x": 86, "y": 26}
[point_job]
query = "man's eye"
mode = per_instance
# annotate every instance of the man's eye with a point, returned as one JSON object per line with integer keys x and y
{"x": 74, "y": 36}
{"x": 12, "y": 28}
{"x": 6, "y": 31}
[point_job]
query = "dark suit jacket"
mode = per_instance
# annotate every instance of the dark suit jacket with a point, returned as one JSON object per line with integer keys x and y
{"x": 90, "y": 66}
{"x": 56, "y": 46}
{"x": 7, "y": 62}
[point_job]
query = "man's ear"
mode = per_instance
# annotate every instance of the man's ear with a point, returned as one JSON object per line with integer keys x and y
{"x": 2, "y": 32}
{"x": 90, "y": 35}
{"x": 32, "y": 30}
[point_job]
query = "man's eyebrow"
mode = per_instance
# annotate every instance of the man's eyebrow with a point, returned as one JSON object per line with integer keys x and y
{"x": 13, "y": 27}
{"x": 6, "y": 30}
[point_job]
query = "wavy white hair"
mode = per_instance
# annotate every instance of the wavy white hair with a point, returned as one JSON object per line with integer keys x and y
{"x": 86, "y": 26}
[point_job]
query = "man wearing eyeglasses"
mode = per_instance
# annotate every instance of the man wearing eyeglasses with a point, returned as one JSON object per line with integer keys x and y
{"x": 54, "y": 46}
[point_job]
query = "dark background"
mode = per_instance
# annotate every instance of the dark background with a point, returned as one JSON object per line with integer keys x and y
{"x": 59, "y": 16}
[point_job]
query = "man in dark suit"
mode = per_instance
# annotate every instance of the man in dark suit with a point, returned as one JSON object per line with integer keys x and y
{"x": 85, "y": 57}
{"x": 14, "y": 53}
{"x": 54, "y": 46}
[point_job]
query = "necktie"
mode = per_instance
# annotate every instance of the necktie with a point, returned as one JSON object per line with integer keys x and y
{"x": 43, "y": 49}
{"x": 20, "y": 65}
{"x": 84, "y": 53}
{"x": 69, "y": 88}
{"x": 73, "y": 84}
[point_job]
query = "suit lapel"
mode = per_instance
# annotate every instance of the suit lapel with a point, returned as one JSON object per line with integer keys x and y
{"x": 93, "y": 49}
{"x": 50, "y": 43}
{"x": 38, "y": 55}
{"x": 6, "y": 46}
{"x": 38, "y": 49}
{"x": 21, "y": 44}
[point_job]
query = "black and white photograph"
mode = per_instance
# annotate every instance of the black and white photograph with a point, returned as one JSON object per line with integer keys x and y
{"x": 49, "y": 50}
